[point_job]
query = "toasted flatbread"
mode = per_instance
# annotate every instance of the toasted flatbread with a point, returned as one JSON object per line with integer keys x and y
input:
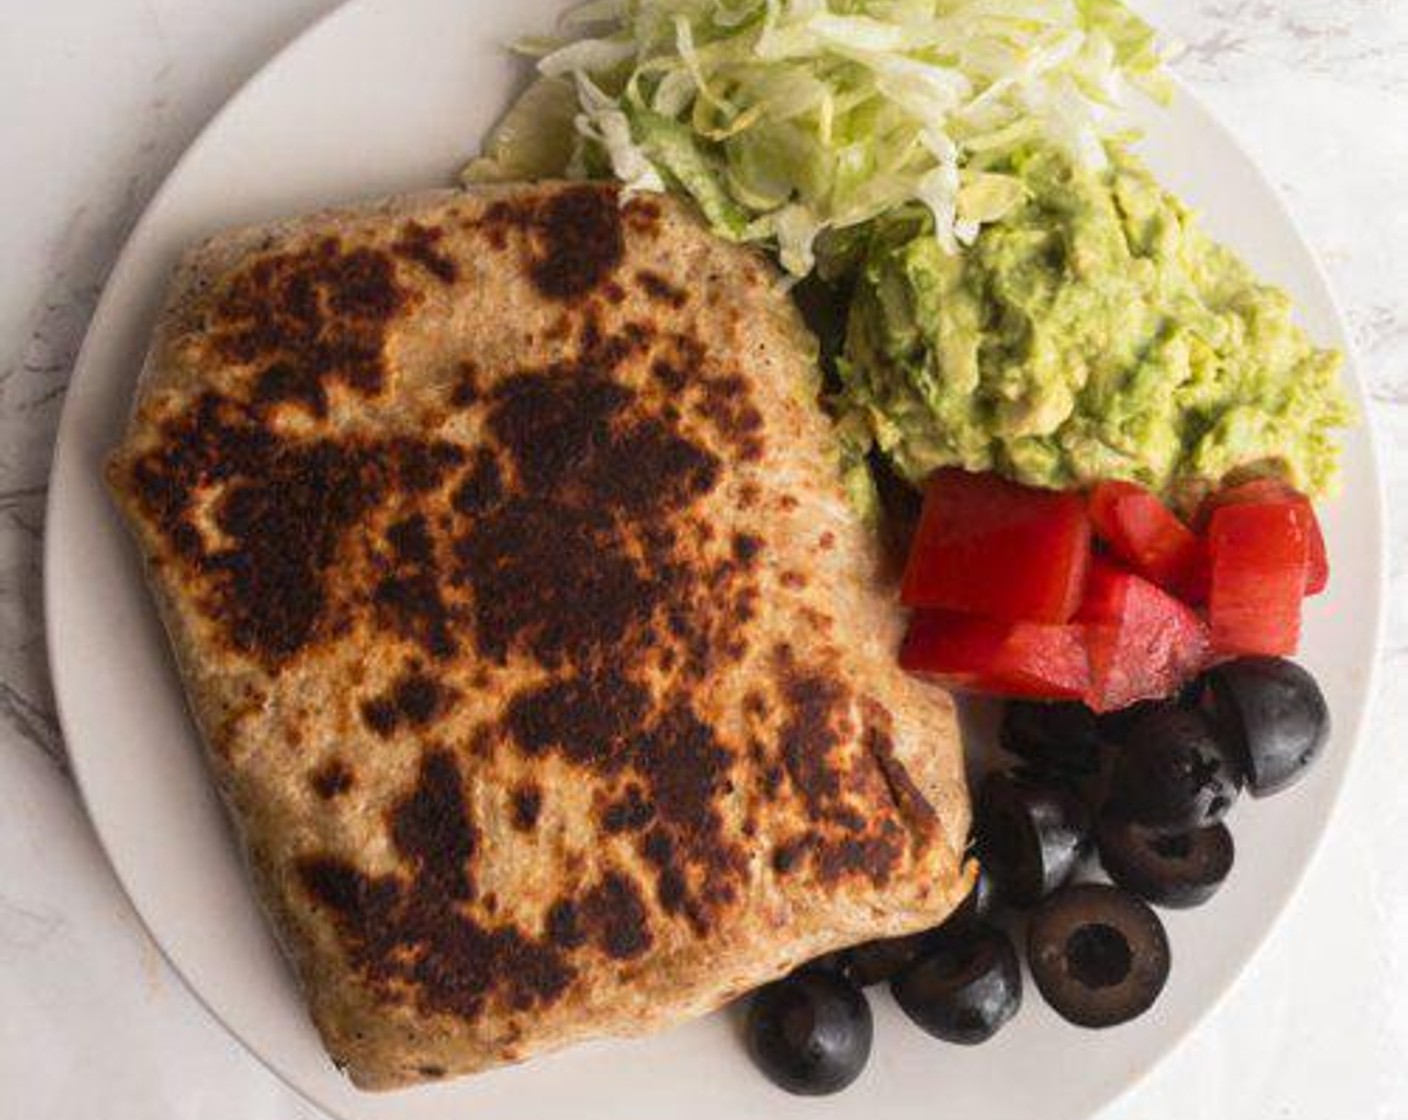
{"x": 547, "y": 672}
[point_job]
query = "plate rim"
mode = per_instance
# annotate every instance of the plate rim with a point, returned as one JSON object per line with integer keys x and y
{"x": 1363, "y": 717}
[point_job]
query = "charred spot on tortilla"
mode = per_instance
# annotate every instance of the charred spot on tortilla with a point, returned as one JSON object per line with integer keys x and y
{"x": 465, "y": 391}
{"x": 414, "y": 701}
{"x": 332, "y": 779}
{"x": 421, "y": 244}
{"x": 661, "y": 290}
{"x": 527, "y": 804}
{"x": 308, "y": 318}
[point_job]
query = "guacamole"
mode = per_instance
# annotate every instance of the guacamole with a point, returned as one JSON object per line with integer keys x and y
{"x": 1095, "y": 332}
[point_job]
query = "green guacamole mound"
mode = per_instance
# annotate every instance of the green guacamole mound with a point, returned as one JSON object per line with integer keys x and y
{"x": 1094, "y": 333}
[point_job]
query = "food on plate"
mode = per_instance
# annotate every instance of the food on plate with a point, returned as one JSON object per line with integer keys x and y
{"x": 1098, "y": 954}
{"x": 810, "y": 1033}
{"x": 1095, "y": 332}
{"x": 991, "y": 547}
{"x": 790, "y": 124}
{"x": 878, "y": 961}
{"x": 1175, "y": 869}
{"x": 1173, "y": 772}
{"x": 988, "y": 655}
{"x": 1064, "y": 739}
{"x": 525, "y": 555}
{"x": 1115, "y": 726}
{"x": 1141, "y": 642}
{"x": 1259, "y": 562}
{"x": 1148, "y": 537}
{"x": 1031, "y": 833}
{"x": 1275, "y": 715}
{"x": 1158, "y": 779}
{"x": 983, "y": 901}
{"x": 965, "y": 987}
{"x": 1273, "y": 491}
{"x": 874, "y": 962}
{"x": 1024, "y": 296}
{"x": 997, "y": 568}
{"x": 545, "y": 667}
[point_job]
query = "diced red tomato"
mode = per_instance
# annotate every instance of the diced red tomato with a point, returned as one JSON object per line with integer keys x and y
{"x": 1272, "y": 491}
{"x": 1146, "y": 535}
{"x": 1260, "y": 562}
{"x": 1142, "y": 643}
{"x": 998, "y": 658}
{"x": 987, "y": 546}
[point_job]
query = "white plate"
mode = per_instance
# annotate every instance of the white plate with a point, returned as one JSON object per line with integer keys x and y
{"x": 393, "y": 94}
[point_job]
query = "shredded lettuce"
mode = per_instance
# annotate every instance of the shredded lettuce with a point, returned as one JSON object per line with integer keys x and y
{"x": 787, "y": 121}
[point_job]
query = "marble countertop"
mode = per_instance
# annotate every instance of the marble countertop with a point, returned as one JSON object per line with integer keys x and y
{"x": 97, "y": 100}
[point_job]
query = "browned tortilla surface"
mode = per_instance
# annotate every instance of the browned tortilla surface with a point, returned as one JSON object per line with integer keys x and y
{"x": 547, "y": 673}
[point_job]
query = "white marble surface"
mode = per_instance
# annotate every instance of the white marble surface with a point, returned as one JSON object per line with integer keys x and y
{"x": 99, "y": 97}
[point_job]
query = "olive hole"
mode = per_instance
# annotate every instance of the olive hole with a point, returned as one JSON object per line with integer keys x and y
{"x": 1098, "y": 956}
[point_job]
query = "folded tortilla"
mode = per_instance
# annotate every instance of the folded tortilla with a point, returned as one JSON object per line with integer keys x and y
{"x": 546, "y": 670}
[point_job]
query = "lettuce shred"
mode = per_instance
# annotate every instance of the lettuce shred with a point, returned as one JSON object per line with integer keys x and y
{"x": 790, "y": 121}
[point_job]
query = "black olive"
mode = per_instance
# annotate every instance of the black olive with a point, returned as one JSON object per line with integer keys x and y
{"x": 1275, "y": 714}
{"x": 1177, "y": 869}
{"x": 1115, "y": 726}
{"x": 981, "y": 901}
{"x": 829, "y": 962}
{"x": 964, "y": 987}
{"x": 810, "y": 1032}
{"x": 1030, "y": 832}
{"x": 874, "y": 962}
{"x": 1173, "y": 773}
{"x": 1052, "y": 737}
{"x": 1099, "y": 955}
{"x": 877, "y": 961}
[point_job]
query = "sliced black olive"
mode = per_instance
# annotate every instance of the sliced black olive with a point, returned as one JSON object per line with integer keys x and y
{"x": 1115, "y": 726}
{"x": 1173, "y": 773}
{"x": 1099, "y": 955}
{"x": 981, "y": 901}
{"x": 829, "y": 962}
{"x": 810, "y": 1032}
{"x": 874, "y": 962}
{"x": 1030, "y": 833}
{"x": 964, "y": 987}
{"x": 877, "y": 961}
{"x": 1275, "y": 714}
{"x": 1176, "y": 869}
{"x": 1057, "y": 738}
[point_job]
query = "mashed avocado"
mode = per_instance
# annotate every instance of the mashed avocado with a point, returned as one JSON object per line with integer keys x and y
{"x": 1095, "y": 332}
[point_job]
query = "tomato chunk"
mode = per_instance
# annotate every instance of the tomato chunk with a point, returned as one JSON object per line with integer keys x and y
{"x": 999, "y": 658}
{"x": 1272, "y": 491}
{"x": 1260, "y": 559}
{"x": 1149, "y": 537}
{"x": 991, "y": 547}
{"x": 1142, "y": 643}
